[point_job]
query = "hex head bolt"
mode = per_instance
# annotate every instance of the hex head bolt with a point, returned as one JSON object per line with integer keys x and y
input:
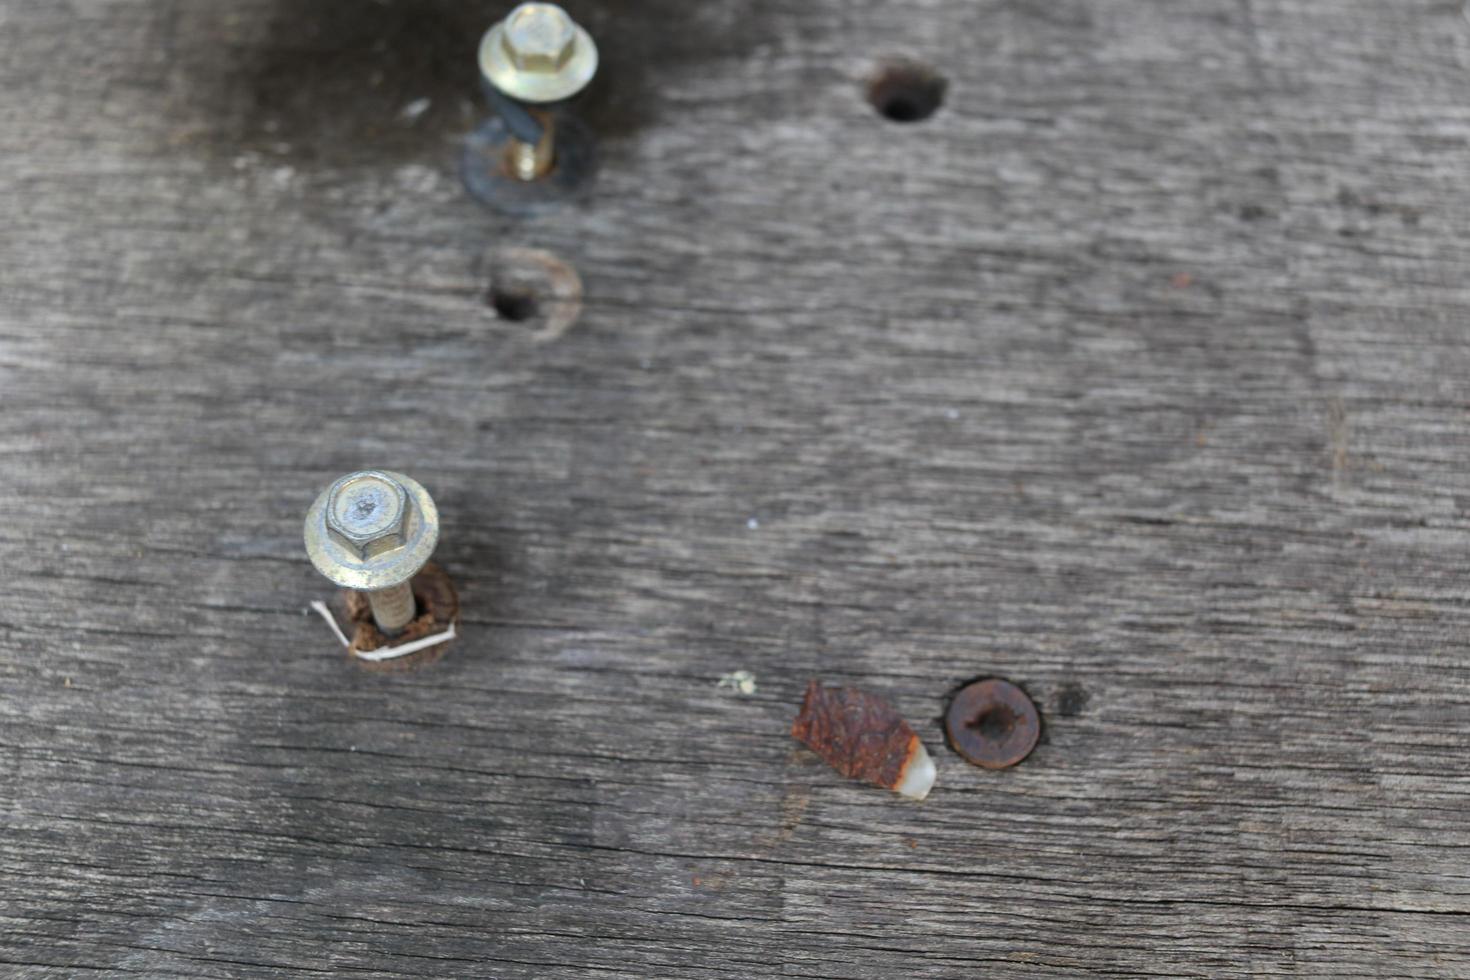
{"x": 372, "y": 531}
{"x": 530, "y": 63}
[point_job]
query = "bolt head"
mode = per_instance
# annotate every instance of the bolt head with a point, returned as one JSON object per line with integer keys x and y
{"x": 537, "y": 55}
{"x": 539, "y": 38}
{"x": 371, "y": 530}
{"x": 368, "y": 514}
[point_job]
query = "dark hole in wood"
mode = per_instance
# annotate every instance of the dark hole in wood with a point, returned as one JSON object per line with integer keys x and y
{"x": 906, "y": 92}
{"x": 1071, "y": 700}
{"x": 514, "y": 304}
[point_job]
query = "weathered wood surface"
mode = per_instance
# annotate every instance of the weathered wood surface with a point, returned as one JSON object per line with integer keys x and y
{"x": 1137, "y": 374}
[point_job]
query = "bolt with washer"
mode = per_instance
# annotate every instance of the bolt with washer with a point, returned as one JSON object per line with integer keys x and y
{"x": 372, "y": 531}
{"x": 530, "y": 63}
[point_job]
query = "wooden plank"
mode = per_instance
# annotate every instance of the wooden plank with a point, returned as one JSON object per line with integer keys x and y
{"x": 1136, "y": 375}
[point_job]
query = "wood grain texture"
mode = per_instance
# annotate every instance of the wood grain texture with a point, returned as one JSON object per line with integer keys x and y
{"x": 1137, "y": 375}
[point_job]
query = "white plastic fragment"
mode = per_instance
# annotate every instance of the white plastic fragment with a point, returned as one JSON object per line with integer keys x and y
{"x": 383, "y": 653}
{"x": 321, "y": 607}
{"x": 414, "y": 646}
{"x": 918, "y": 775}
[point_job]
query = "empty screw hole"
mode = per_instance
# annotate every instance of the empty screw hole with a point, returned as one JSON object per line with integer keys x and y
{"x": 906, "y": 92}
{"x": 513, "y": 304}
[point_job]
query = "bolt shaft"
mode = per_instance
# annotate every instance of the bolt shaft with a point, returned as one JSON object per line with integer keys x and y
{"x": 393, "y": 609}
{"x": 532, "y": 161}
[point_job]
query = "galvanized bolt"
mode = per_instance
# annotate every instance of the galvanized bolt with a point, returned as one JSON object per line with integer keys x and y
{"x": 539, "y": 38}
{"x": 537, "y": 55}
{"x": 372, "y": 531}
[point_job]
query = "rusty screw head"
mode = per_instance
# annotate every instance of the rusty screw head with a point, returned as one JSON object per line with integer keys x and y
{"x": 993, "y": 724}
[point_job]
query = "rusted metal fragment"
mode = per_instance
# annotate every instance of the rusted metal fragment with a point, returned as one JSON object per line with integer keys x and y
{"x": 863, "y": 737}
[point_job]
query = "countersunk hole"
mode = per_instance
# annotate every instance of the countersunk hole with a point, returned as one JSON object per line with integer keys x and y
{"x": 533, "y": 289}
{"x": 514, "y": 303}
{"x": 906, "y": 91}
{"x": 994, "y": 723}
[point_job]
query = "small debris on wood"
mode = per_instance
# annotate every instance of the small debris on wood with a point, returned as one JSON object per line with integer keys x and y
{"x": 864, "y": 737}
{"x": 740, "y": 681}
{"x": 412, "y": 112}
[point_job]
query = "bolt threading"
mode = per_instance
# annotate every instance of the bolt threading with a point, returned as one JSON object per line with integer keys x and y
{"x": 531, "y": 161}
{"x": 393, "y": 608}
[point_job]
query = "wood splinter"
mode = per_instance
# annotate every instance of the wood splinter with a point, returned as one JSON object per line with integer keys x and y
{"x": 864, "y": 737}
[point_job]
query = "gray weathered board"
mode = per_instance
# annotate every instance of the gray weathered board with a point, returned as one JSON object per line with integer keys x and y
{"x": 1138, "y": 374}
